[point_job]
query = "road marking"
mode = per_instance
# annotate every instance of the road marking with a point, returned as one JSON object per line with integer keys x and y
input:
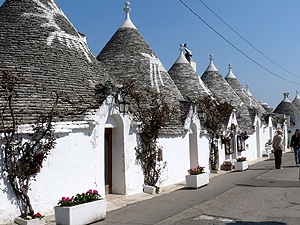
{"x": 207, "y": 217}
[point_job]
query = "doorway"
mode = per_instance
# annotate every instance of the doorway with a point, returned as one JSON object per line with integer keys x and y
{"x": 108, "y": 160}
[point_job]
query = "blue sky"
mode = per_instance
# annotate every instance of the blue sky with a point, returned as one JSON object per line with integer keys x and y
{"x": 271, "y": 26}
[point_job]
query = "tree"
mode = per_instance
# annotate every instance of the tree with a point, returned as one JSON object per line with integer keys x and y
{"x": 217, "y": 114}
{"x": 23, "y": 156}
{"x": 153, "y": 111}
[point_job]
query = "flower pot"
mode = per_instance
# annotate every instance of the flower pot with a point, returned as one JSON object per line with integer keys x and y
{"x": 241, "y": 166}
{"x": 149, "y": 189}
{"x": 36, "y": 221}
{"x": 81, "y": 214}
{"x": 196, "y": 181}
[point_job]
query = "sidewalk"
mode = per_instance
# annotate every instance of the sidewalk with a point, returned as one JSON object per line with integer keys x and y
{"x": 115, "y": 201}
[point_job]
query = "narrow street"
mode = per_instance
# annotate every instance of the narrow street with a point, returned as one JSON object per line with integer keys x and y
{"x": 260, "y": 195}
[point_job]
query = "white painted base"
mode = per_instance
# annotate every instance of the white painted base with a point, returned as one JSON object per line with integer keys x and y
{"x": 241, "y": 166}
{"x": 196, "y": 181}
{"x": 81, "y": 214}
{"x": 20, "y": 221}
{"x": 149, "y": 189}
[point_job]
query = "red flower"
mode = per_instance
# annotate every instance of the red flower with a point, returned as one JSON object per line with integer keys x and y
{"x": 37, "y": 215}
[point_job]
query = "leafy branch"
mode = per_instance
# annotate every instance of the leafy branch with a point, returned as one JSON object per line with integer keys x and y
{"x": 215, "y": 121}
{"x": 23, "y": 155}
{"x": 154, "y": 112}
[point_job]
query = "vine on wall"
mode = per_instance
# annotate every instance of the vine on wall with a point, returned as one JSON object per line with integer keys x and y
{"x": 22, "y": 157}
{"x": 154, "y": 112}
{"x": 217, "y": 114}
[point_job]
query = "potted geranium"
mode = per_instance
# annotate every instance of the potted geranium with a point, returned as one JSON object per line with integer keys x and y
{"x": 197, "y": 177}
{"x": 83, "y": 208}
{"x": 241, "y": 164}
{"x": 36, "y": 219}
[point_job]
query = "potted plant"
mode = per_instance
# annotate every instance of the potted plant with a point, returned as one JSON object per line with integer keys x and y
{"x": 36, "y": 219}
{"x": 241, "y": 164}
{"x": 197, "y": 177}
{"x": 83, "y": 208}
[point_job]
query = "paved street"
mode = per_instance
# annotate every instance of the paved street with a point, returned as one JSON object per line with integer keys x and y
{"x": 261, "y": 195}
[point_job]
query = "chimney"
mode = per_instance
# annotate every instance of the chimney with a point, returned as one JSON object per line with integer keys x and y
{"x": 188, "y": 56}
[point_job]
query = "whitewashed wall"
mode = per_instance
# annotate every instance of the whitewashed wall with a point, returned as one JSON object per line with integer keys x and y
{"x": 176, "y": 154}
{"x": 251, "y": 148}
{"x": 74, "y": 166}
{"x": 203, "y": 140}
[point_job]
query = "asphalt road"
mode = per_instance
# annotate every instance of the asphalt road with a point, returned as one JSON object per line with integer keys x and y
{"x": 260, "y": 195}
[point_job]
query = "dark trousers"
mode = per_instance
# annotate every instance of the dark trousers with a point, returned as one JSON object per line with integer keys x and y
{"x": 278, "y": 157}
{"x": 297, "y": 155}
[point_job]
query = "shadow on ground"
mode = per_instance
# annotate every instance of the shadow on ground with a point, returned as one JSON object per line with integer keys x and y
{"x": 255, "y": 223}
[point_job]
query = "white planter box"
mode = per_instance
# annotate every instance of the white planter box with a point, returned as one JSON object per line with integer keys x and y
{"x": 81, "y": 214}
{"x": 149, "y": 189}
{"x": 241, "y": 166}
{"x": 196, "y": 181}
{"x": 37, "y": 221}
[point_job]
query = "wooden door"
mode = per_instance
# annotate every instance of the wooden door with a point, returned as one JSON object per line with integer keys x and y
{"x": 108, "y": 160}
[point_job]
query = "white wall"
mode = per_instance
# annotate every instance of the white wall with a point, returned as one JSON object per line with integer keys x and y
{"x": 74, "y": 166}
{"x": 203, "y": 140}
{"x": 176, "y": 154}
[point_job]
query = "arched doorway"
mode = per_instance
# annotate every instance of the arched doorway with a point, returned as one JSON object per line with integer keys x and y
{"x": 114, "y": 156}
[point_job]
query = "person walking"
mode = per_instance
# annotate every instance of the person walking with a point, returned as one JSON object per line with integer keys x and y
{"x": 277, "y": 148}
{"x": 295, "y": 144}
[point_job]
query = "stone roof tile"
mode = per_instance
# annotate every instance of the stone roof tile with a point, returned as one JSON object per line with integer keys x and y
{"x": 186, "y": 79}
{"x": 127, "y": 56}
{"x": 42, "y": 48}
{"x": 222, "y": 90}
{"x": 252, "y": 104}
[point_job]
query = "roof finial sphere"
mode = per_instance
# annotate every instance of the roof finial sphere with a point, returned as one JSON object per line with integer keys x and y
{"x": 127, "y": 9}
{"x": 181, "y": 48}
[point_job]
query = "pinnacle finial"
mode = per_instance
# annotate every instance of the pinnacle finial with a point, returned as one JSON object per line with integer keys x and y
{"x": 127, "y": 9}
{"x": 127, "y": 22}
{"x": 229, "y": 66}
{"x": 181, "y": 48}
{"x": 211, "y": 57}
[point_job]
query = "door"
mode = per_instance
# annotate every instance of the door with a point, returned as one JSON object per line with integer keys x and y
{"x": 108, "y": 160}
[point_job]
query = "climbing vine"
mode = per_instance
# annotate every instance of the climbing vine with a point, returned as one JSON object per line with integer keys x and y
{"x": 22, "y": 155}
{"x": 153, "y": 111}
{"x": 217, "y": 114}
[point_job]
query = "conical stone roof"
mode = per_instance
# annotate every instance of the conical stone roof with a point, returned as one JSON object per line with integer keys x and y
{"x": 127, "y": 56}
{"x": 252, "y": 104}
{"x": 222, "y": 90}
{"x": 40, "y": 47}
{"x": 266, "y": 107}
{"x": 186, "y": 79}
{"x": 296, "y": 101}
{"x": 287, "y": 107}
